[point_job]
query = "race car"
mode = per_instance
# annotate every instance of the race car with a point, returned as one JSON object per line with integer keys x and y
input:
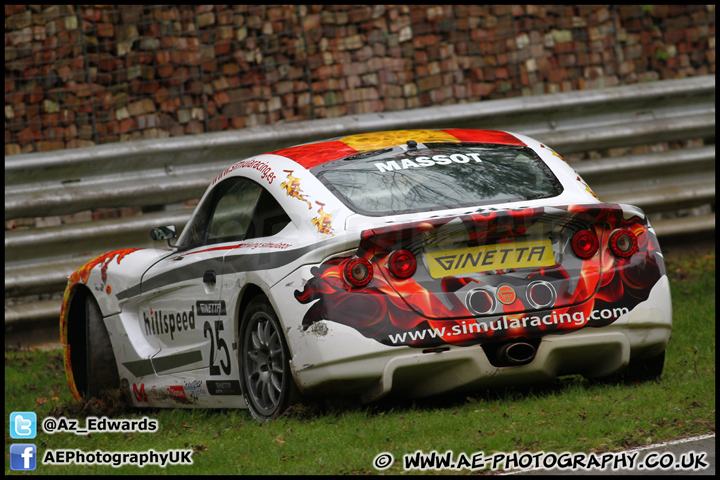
{"x": 414, "y": 262}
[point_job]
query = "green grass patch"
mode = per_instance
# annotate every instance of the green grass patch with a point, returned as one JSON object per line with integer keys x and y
{"x": 570, "y": 415}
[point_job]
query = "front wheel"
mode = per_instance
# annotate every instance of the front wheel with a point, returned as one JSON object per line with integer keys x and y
{"x": 102, "y": 371}
{"x": 267, "y": 383}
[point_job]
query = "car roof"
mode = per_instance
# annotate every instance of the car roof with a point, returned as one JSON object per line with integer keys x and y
{"x": 310, "y": 155}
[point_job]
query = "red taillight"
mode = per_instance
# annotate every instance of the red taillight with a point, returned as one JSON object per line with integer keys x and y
{"x": 623, "y": 243}
{"x": 585, "y": 244}
{"x": 358, "y": 272}
{"x": 402, "y": 264}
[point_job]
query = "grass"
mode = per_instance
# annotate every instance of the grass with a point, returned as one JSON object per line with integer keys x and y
{"x": 571, "y": 415}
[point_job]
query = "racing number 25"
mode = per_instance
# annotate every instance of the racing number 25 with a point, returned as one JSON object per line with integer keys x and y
{"x": 221, "y": 345}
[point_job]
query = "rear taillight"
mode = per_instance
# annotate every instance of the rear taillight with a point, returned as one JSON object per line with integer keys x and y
{"x": 402, "y": 264}
{"x": 623, "y": 243}
{"x": 585, "y": 244}
{"x": 358, "y": 272}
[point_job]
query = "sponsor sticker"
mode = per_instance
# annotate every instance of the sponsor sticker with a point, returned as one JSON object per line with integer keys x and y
{"x": 506, "y": 294}
{"x": 194, "y": 389}
{"x": 211, "y": 308}
{"x": 176, "y": 391}
{"x": 420, "y": 162}
{"x": 537, "y": 253}
{"x": 160, "y": 324}
{"x": 223, "y": 387}
{"x": 139, "y": 393}
{"x": 263, "y": 168}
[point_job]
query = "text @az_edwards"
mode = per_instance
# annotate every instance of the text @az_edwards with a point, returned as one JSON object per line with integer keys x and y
{"x": 101, "y": 425}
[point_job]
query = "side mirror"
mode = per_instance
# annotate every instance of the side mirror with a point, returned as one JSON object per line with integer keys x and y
{"x": 164, "y": 233}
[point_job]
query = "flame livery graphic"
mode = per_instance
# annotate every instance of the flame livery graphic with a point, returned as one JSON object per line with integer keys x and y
{"x": 389, "y": 309}
{"x": 322, "y": 222}
{"x": 83, "y": 273}
{"x": 587, "y": 187}
{"x": 292, "y": 187}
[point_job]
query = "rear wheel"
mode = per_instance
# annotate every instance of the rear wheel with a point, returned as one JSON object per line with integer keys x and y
{"x": 638, "y": 370}
{"x": 267, "y": 383}
{"x": 644, "y": 369}
{"x": 102, "y": 372}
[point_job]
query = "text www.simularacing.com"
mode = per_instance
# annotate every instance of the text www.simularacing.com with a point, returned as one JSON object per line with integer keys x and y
{"x": 505, "y": 323}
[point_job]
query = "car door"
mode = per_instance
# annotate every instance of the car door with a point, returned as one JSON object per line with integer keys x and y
{"x": 186, "y": 316}
{"x": 249, "y": 256}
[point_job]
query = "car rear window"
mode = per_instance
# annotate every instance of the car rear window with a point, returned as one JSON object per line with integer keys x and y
{"x": 437, "y": 176}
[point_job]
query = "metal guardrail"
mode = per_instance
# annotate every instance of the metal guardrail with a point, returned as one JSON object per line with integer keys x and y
{"x": 163, "y": 172}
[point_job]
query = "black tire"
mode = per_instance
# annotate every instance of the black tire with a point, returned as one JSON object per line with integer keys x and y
{"x": 639, "y": 370}
{"x": 644, "y": 369}
{"x": 267, "y": 382}
{"x": 101, "y": 368}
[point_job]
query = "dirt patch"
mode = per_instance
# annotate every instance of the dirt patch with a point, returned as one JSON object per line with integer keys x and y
{"x": 110, "y": 403}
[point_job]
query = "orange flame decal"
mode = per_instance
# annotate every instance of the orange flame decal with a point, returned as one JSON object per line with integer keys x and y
{"x": 68, "y": 371}
{"x": 322, "y": 222}
{"x": 292, "y": 187}
{"x": 587, "y": 187}
{"x": 83, "y": 274}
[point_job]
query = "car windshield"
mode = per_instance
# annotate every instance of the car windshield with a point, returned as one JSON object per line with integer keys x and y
{"x": 437, "y": 176}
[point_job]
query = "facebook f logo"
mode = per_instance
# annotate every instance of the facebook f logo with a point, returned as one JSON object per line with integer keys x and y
{"x": 23, "y": 456}
{"x": 23, "y": 425}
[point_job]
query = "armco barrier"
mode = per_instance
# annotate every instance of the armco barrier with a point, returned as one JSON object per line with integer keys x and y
{"x": 152, "y": 173}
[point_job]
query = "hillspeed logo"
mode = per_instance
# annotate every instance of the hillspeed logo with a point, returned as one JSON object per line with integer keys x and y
{"x": 159, "y": 323}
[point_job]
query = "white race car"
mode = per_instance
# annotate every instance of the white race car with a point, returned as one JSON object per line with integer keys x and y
{"x": 413, "y": 261}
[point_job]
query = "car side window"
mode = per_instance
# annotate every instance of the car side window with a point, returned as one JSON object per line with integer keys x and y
{"x": 233, "y": 211}
{"x": 269, "y": 218}
{"x": 239, "y": 209}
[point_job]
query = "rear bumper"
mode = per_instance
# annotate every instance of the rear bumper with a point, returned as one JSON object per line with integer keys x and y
{"x": 332, "y": 359}
{"x": 594, "y": 354}
{"x": 416, "y": 374}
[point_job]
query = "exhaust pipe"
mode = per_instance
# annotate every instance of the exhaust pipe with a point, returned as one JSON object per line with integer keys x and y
{"x": 516, "y": 353}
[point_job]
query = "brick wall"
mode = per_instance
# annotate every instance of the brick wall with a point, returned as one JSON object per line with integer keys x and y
{"x": 87, "y": 75}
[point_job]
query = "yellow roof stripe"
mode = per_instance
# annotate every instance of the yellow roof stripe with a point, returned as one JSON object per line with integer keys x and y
{"x": 373, "y": 141}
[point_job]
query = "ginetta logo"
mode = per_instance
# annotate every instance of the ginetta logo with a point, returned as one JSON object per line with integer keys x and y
{"x": 506, "y": 294}
{"x": 537, "y": 253}
{"x": 212, "y": 308}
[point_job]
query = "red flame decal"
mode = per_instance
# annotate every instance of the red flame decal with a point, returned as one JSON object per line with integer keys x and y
{"x": 390, "y": 307}
{"x": 83, "y": 274}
